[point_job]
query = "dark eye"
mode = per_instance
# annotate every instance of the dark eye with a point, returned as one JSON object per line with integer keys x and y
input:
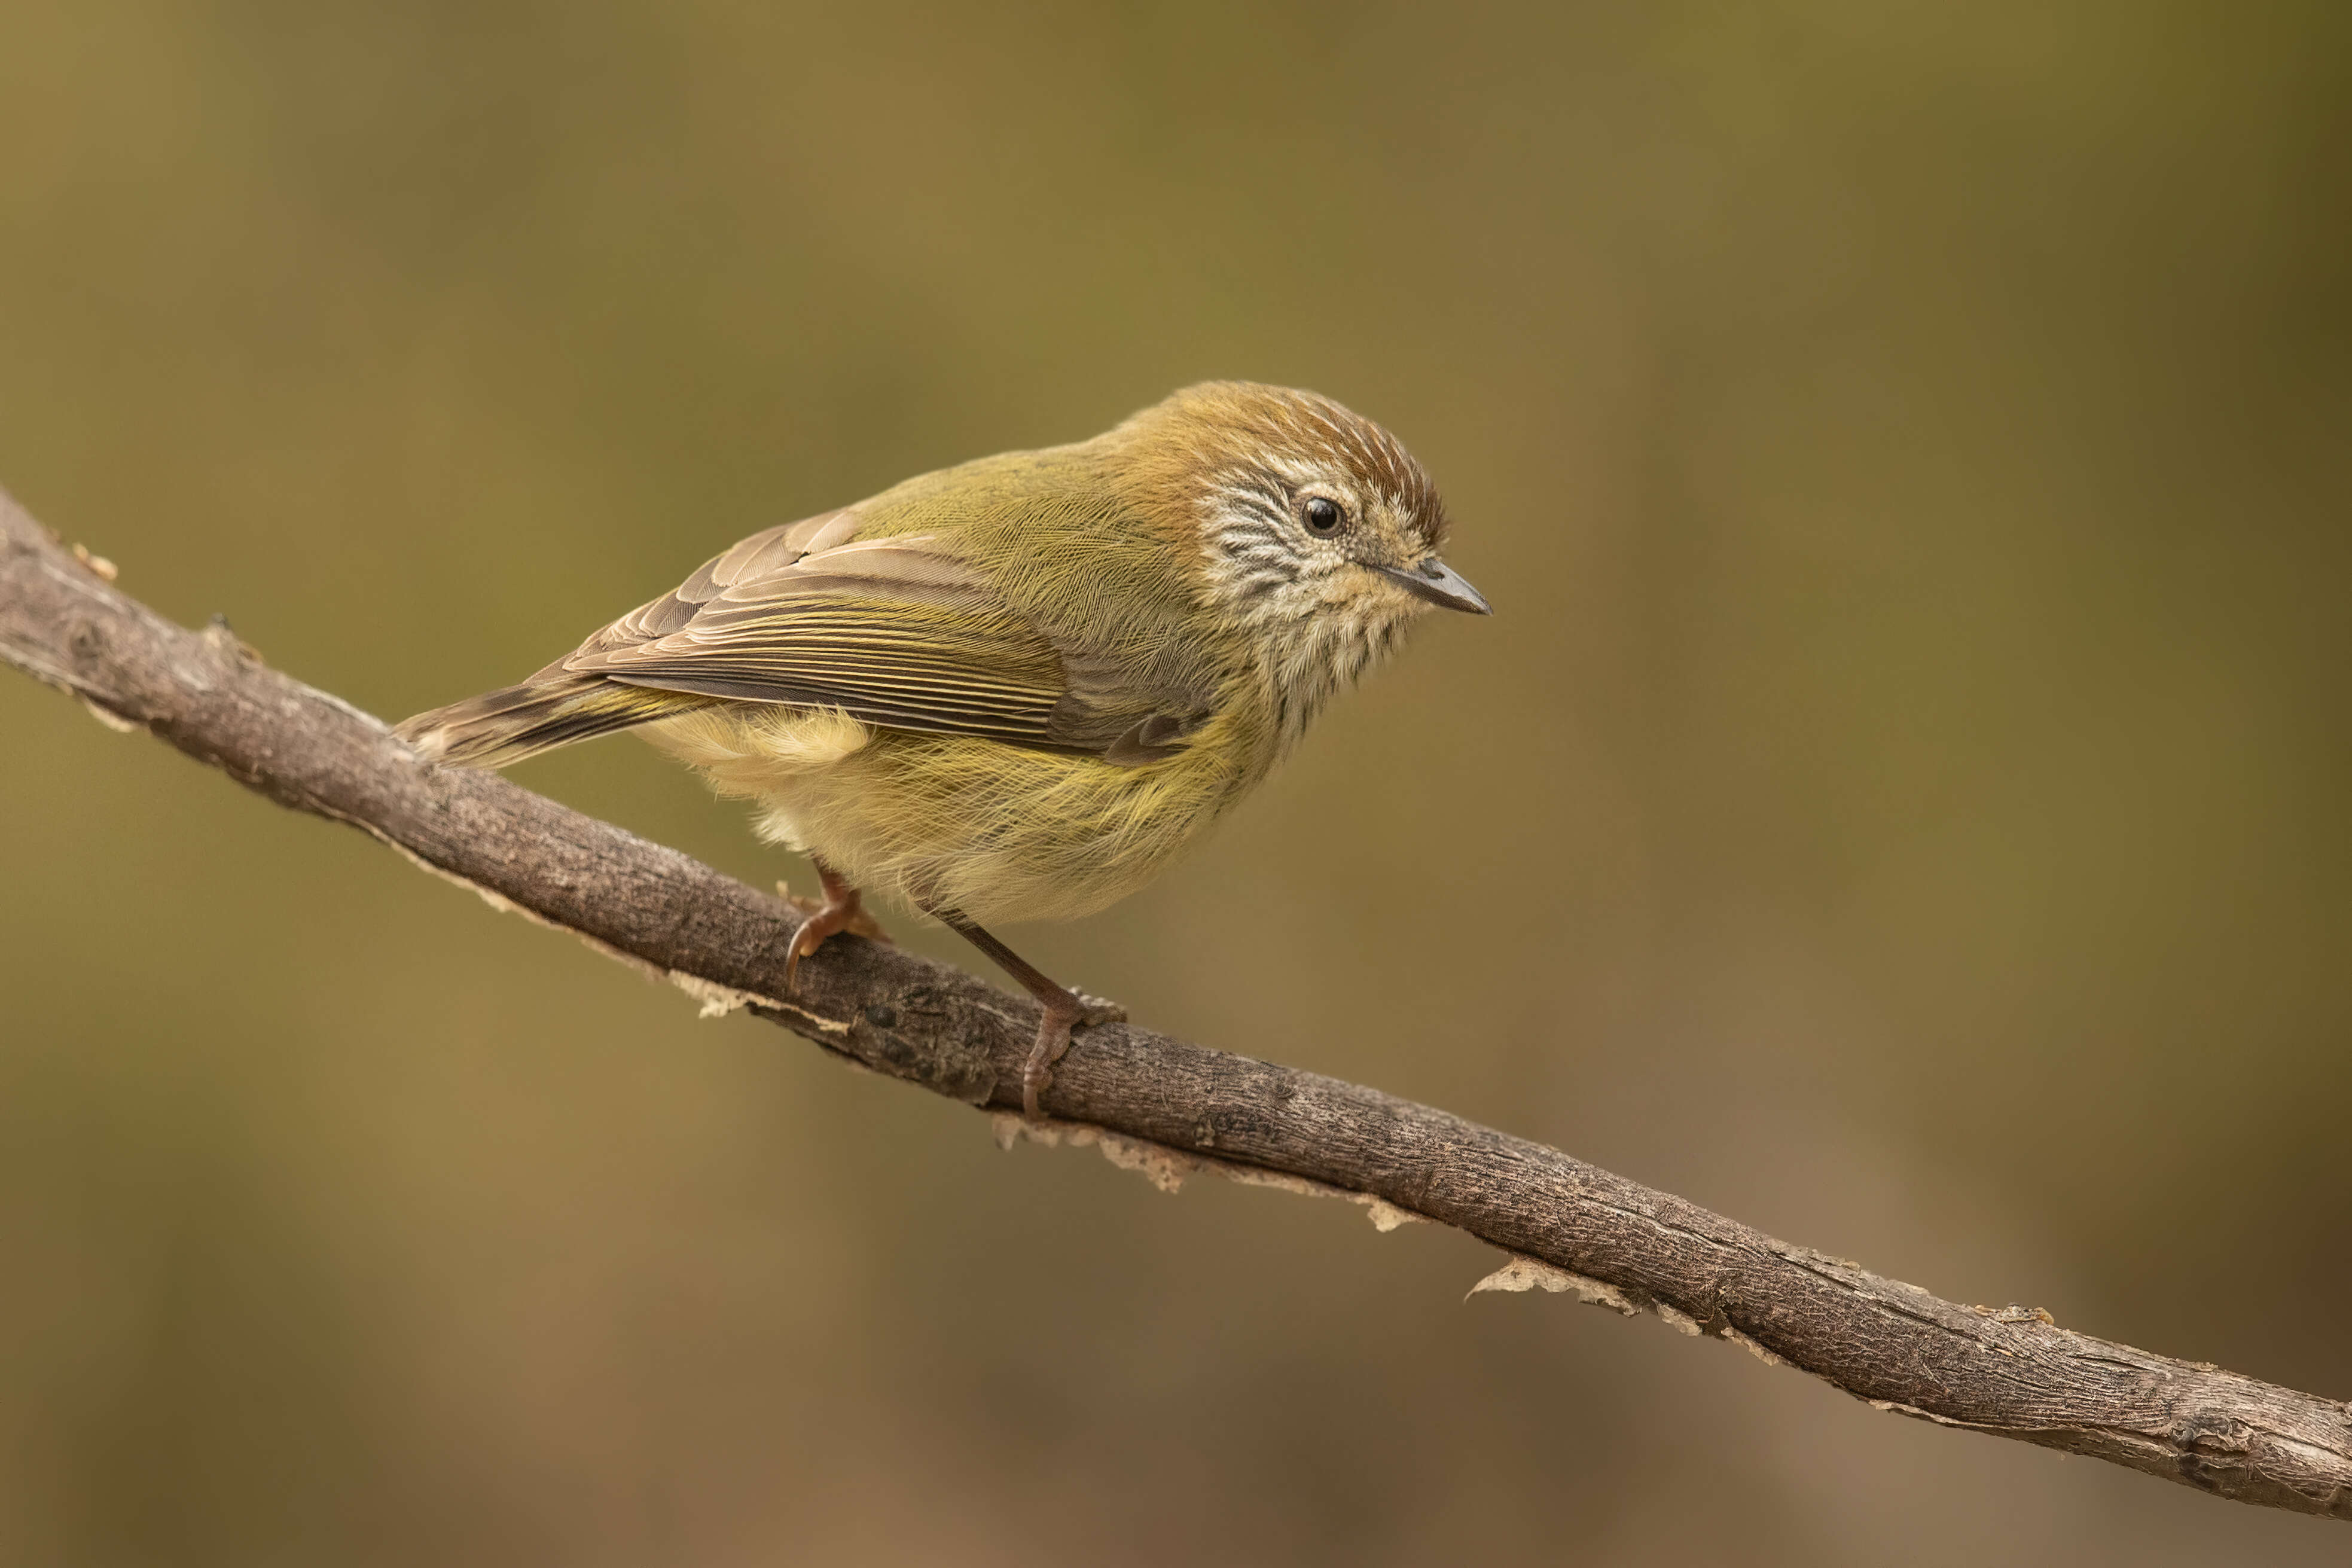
{"x": 1323, "y": 514}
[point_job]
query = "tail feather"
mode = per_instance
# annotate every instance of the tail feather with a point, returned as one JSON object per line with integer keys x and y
{"x": 517, "y": 722}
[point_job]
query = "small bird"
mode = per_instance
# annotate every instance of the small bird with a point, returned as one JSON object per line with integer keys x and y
{"x": 1015, "y": 688}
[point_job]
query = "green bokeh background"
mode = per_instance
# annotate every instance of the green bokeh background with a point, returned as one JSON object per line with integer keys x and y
{"x": 1900, "y": 799}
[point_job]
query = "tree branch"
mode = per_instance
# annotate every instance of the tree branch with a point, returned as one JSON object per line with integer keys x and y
{"x": 1165, "y": 1104}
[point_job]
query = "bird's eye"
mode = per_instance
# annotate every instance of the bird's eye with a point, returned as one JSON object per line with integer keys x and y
{"x": 1324, "y": 515}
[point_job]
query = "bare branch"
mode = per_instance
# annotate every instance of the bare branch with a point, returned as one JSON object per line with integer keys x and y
{"x": 1160, "y": 1103}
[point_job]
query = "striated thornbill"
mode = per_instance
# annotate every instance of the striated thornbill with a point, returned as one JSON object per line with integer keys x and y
{"x": 1015, "y": 688}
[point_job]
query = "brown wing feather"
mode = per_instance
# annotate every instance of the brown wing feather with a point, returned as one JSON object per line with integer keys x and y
{"x": 893, "y": 631}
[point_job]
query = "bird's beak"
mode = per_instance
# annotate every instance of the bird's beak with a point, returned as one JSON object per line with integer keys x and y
{"x": 1439, "y": 583}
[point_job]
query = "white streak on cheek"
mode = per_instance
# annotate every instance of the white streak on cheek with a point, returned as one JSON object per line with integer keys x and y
{"x": 1289, "y": 467}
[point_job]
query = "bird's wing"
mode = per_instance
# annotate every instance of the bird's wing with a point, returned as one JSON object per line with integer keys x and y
{"x": 896, "y": 631}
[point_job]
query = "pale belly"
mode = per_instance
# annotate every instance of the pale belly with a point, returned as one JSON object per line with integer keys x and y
{"x": 945, "y": 823}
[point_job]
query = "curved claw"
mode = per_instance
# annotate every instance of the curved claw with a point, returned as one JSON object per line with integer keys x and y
{"x": 812, "y": 935}
{"x": 1037, "y": 1072}
{"x": 1063, "y": 1009}
{"x": 841, "y": 911}
{"x": 1070, "y": 1010}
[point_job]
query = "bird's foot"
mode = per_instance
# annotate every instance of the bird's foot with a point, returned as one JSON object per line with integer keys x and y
{"x": 1064, "y": 1009}
{"x": 1070, "y": 1010}
{"x": 841, "y": 909}
{"x": 860, "y": 920}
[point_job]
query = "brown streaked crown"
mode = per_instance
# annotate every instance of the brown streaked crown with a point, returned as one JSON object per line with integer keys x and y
{"x": 1222, "y": 429}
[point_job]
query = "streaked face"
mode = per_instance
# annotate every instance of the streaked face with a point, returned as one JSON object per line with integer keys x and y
{"x": 1321, "y": 536}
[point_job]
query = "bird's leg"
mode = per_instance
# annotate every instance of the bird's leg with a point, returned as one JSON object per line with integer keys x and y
{"x": 1064, "y": 1009}
{"x": 842, "y": 910}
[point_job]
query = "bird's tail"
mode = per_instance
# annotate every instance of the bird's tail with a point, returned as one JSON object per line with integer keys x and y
{"x": 543, "y": 714}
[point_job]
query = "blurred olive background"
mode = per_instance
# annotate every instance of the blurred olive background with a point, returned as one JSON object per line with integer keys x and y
{"x": 1900, "y": 799}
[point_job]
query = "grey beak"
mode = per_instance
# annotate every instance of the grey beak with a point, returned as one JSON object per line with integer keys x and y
{"x": 1439, "y": 583}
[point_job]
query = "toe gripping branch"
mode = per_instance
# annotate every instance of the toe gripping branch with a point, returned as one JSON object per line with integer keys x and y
{"x": 1063, "y": 1009}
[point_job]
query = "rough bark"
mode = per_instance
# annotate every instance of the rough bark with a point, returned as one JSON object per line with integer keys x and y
{"x": 1163, "y": 1103}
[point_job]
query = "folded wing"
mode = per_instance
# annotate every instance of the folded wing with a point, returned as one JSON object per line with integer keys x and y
{"x": 892, "y": 631}
{"x": 896, "y": 631}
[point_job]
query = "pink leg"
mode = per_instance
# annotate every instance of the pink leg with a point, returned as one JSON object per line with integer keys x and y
{"x": 1064, "y": 1009}
{"x": 841, "y": 911}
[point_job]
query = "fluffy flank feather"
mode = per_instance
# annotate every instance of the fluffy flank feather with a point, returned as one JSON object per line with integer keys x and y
{"x": 921, "y": 819}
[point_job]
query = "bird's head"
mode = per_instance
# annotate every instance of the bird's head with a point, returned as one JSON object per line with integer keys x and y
{"x": 1316, "y": 531}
